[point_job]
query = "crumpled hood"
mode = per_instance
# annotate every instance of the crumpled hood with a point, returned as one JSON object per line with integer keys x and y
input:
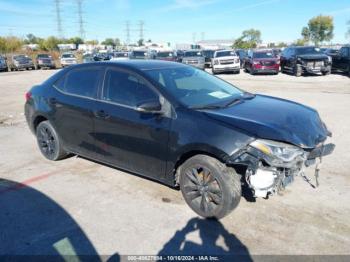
{"x": 275, "y": 119}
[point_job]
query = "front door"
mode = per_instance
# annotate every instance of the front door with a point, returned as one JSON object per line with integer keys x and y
{"x": 132, "y": 140}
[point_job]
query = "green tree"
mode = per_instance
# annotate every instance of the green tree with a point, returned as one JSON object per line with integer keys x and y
{"x": 112, "y": 42}
{"x": 282, "y": 44}
{"x": 50, "y": 43}
{"x": 321, "y": 29}
{"x": 299, "y": 42}
{"x": 305, "y": 33}
{"x": 91, "y": 42}
{"x": 140, "y": 42}
{"x": 75, "y": 40}
{"x": 10, "y": 44}
{"x": 250, "y": 39}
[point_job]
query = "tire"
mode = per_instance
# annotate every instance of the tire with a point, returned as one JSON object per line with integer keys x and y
{"x": 213, "y": 71}
{"x": 209, "y": 187}
{"x": 49, "y": 142}
{"x": 238, "y": 72}
{"x": 252, "y": 72}
{"x": 297, "y": 70}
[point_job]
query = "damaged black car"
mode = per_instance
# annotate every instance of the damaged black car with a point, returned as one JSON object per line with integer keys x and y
{"x": 178, "y": 125}
{"x": 299, "y": 60}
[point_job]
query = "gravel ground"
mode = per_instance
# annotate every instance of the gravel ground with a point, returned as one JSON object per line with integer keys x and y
{"x": 78, "y": 206}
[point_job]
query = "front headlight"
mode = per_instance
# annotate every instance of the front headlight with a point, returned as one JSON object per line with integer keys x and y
{"x": 282, "y": 151}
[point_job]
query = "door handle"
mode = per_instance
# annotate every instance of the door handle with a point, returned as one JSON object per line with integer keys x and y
{"x": 101, "y": 114}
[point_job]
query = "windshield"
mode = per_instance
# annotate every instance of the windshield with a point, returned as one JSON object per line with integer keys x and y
{"x": 308, "y": 50}
{"x": 68, "y": 56}
{"x": 165, "y": 54}
{"x": 193, "y": 53}
{"x": 43, "y": 56}
{"x": 263, "y": 55}
{"x": 193, "y": 87}
{"x": 208, "y": 53}
{"x": 121, "y": 54}
{"x": 139, "y": 53}
{"x": 19, "y": 57}
{"x": 225, "y": 53}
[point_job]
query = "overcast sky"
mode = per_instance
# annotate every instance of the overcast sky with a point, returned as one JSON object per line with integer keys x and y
{"x": 173, "y": 21}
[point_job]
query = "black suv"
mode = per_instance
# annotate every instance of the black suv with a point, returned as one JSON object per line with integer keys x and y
{"x": 178, "y": 125}
{"x": 305, "y": 59}
{"x": 341, "y": 60}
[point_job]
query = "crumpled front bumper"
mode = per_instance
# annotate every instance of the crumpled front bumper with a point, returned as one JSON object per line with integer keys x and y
{"x": 266, "y": 177}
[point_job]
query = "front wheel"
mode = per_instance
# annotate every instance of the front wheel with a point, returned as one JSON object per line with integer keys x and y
{"x": 297, "y": 70}
{"x": 209, "y": 187}
{"x": 49, "y": 143}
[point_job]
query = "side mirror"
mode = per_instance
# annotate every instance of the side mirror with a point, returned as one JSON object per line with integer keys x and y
{"x": 150, "y": 107}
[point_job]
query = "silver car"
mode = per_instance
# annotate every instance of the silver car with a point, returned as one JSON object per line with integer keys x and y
{"x": 194, "y": 58}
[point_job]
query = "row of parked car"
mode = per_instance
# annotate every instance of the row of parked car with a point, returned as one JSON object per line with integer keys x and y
{"x": 296, "y": 60}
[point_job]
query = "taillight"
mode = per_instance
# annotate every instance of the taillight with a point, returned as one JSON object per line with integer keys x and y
{"x": 28, "y": 96}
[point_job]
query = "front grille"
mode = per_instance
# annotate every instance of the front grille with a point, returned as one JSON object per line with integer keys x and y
{"x": 314, "y": 64}
{"x": 227, "y": 61}
{"x": 267, "y": 63}
{"x": 192, "y": 61}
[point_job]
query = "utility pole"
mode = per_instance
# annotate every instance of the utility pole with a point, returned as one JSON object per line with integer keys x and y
{"x": 141, "y": 25}
{"x": 194, "y": 35}
{"x": 80, "y": 19}
{"x": 127, "y": 31}
{"x": 58, "y": 18}
{"x": 202, "y": 36}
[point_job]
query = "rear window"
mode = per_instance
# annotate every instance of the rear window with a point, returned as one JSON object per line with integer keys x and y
{"x": 68, "y": 56}
{"x": 165, "y": 54}
{"x": 139, "y": 53}
{"x": 263, "y": 55}
{"x": 43, "y": 56}
{"x": 80, "y": 81}
{"x": 193, "y": 53}
{"x": 225, "y": 53}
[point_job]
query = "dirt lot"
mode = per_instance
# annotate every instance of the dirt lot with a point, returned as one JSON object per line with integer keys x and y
{"x": 78, "y": 206}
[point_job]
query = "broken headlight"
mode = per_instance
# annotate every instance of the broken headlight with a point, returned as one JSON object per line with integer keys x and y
{"x": 278, "y": 152}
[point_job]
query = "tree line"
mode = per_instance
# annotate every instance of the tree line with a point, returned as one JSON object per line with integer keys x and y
{"x": 318, "y": 30}
{"x": 11, "y": 44}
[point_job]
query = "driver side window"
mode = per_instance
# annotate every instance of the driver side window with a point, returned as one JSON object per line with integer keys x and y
{"x": 126, "y": 89}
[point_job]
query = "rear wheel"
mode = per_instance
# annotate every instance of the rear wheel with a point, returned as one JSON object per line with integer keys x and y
{"x": 209, "y": 187}
{"x": 49, "y": 143}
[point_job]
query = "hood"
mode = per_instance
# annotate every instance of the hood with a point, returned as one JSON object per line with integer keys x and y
{"x": 200, "y": 58}
{"x": 275, "y": 119}
{"x": 313, "y": 57}
{"x": 226, "y": 57}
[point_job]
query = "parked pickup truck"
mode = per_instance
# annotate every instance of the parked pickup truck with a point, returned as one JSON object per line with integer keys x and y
{"x": 341, "y": 60}
{"x": 19, "y": 62}
{"x": 225, "y": 61}
{"x": 194, "y": 58}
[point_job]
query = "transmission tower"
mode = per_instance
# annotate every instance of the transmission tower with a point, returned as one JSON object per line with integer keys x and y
{"x": 202, "y": 36}
{"x": 194, "y": 36}
{"x": 141, "y": 26}
{"x": 80, "y": 19}
{"x": 58, "y": 18}
{"x": 127, "y": 31}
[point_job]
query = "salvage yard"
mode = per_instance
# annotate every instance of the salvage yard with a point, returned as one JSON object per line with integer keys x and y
{"x": 79, "y": 206}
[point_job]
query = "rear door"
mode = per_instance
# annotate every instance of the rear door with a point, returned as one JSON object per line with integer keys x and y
{"x": 73, "y": 105}
{"x": 343, "y": 62}
{"x": 132, "y": 140}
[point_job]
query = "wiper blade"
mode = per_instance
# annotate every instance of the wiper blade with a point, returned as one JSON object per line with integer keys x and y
{"x": 206, "y": 107}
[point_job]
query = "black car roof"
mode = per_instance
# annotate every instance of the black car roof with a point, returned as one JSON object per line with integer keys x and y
{"x": 142, "y": 65}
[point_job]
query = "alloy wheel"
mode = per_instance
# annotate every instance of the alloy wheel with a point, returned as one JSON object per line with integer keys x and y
{"x": 202, "y": 189}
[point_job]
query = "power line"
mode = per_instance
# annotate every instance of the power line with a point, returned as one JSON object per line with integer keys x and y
{"x": 141, "y": 26}
{"x": 58, "y": 18}
{"x": 80, "y": 19}
{"x": 127, "y": 31}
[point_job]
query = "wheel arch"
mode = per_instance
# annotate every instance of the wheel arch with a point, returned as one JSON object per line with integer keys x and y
{"x": 187, "y": 154}
{"x": 37, "y": 120}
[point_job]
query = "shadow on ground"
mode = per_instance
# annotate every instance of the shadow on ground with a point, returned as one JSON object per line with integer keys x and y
{"x": 210, "y": 231}
{"x": 33, "y": 224}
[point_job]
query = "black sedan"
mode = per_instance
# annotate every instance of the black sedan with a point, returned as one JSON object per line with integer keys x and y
{"x": 178, "y": 125}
